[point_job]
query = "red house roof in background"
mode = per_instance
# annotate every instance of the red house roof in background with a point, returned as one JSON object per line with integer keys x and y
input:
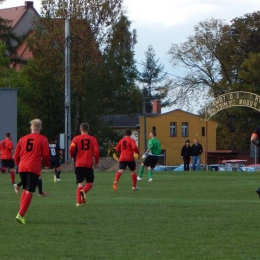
{"x": 14, "y": 14}
{"x": 23, "y": 51}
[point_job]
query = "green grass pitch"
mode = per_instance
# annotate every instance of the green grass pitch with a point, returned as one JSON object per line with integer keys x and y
{"x": 181, "y": 215}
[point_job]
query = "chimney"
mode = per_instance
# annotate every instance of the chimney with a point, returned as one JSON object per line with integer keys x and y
{"x": 156, "y": 106}
{"x": 28, "y": 4}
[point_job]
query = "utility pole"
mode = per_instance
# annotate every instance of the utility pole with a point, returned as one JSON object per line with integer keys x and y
{"x": 144, "y": 116}
{"x": 206, "y": 138}
{"x": 67, "y": 103}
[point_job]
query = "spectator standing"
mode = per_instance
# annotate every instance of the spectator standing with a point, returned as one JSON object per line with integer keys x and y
{"x": 196, "y": 151}
{"x": 186, "y": 155}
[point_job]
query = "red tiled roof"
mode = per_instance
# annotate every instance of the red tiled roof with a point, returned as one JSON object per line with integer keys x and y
{"x": 13, "y": 14}
{"x": 23, "y": 51}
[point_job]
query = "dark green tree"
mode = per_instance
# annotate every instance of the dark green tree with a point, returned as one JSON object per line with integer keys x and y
{"x": 240, "y": 39}
{"x": 6, "y": 73}
{"x": 201, "y": 63}
{"x": 154, "y": 80}
{"x": 123, "y": 96}
{"x": 239, "y": 51}
{"x": 214, "y": 58}
{"x": 11, "y": 40}
{"x": 102, "y": 69}
{"x": 6, "y": 35}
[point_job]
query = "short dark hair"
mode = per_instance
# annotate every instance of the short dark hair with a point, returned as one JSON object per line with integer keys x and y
{"x": 54, "y": 139}
{"x": 8, "y": 134}
{"x": 84, "y": 127}
{"x": 187, "y": 141}
{"x": 128, "y": 132}
{"x": 153, "y": 133}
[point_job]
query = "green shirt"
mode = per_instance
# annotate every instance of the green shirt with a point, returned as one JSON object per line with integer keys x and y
{"x": 154, "y": 145}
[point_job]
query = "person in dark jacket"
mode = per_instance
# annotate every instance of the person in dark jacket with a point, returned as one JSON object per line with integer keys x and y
{"x": 196, "y": 151}
{"x": 186, "y": 155}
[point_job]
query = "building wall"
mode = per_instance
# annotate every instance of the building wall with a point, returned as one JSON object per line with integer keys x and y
{"x": 173, "y": 145}
{"x": 8, "y": 113}
{"x": 26, "y": 23}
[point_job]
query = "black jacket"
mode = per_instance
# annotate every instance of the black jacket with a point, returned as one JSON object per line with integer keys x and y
{"x": 196, "y": 149}
{"x": 186, "y": 151}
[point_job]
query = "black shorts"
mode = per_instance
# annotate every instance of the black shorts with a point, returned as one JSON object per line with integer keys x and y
{"x": 29, "y": 180}
{"x": 55, "y": 162}
{"x": 8, "y": 163}
{"x": 130, "y": 164}
{"x": 83, "y": 173}
{"x": 151, "y": 160}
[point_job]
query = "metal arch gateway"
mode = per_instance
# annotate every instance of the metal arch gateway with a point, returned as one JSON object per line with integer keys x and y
{"x": 232, "y": 99}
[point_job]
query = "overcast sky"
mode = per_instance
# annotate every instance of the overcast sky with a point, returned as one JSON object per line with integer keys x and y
{"x": 161, "y": 23}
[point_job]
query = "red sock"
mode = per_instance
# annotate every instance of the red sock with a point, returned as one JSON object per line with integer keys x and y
{"x": 25, "y": 203}
{"x": 78, "y": 197}
{"x": 118, "y": 175}
{"x": 12, "y": 176}
{"x": 21, "y": 199}
{"x": 87, "y": 187}
{"x": 134, "y": 179}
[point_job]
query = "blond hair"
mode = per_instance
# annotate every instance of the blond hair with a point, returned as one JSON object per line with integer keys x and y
{"x": 36, "y": 125}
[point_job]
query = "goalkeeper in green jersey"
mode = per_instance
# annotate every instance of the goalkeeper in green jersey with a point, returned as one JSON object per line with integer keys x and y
{"x": 151, "y": 156}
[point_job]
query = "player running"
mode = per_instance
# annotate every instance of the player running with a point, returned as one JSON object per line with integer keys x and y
{"x": 126, "y": 147}
{"x": 31, "y": 151}
{"x": 39, "y": 185}
{"x": 6, "y": 147}
{"x": 56, "y": 155}
{"x": 82, "y": 150}
{"x": 153, "y": 152}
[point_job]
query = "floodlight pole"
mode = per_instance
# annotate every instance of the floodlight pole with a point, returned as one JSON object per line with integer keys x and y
{"x": 206, "y": 137}
{"x": 144, "y": 116}
{"x": 67, "y": 105}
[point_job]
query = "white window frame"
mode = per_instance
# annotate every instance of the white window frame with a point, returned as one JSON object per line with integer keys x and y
{"x": 185, "y": 129}
{"x": 173, "y": 129}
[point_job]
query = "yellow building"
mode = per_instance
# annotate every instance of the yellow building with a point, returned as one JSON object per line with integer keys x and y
{"x": 173, "y": 129}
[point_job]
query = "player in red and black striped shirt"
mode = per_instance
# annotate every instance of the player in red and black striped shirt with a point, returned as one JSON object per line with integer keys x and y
{"x": 126, "y": 147}
{"x": 32, "y": 150}
{"x": 82, "y": 149}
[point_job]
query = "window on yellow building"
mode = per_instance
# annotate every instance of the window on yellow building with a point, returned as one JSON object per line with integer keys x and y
{"x": 173, "y": 129}
{"x": 184, "y": 128}
{"x": 162, "y": 158}
{"x": 203, "y": 131}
